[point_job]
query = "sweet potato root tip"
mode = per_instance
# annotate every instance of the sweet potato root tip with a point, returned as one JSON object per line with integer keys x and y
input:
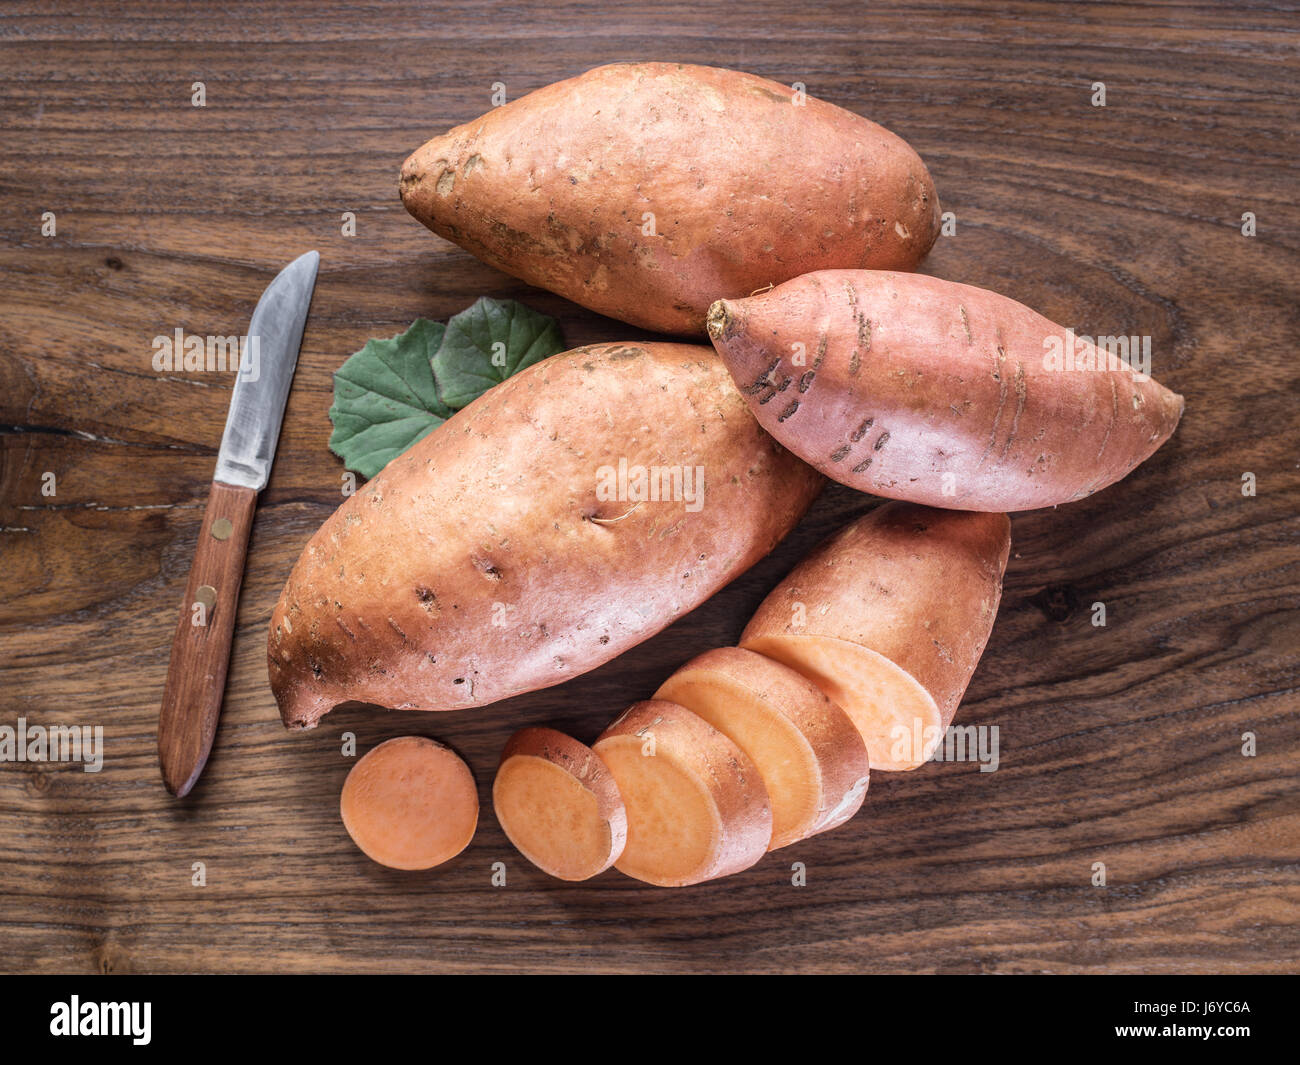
{"x": 719, "y": 321}
{"x": 697, "y": 808}
{"x": 559, "y": 804}
{"x": 808, "y": 751}
{"x": 410, "y": 803}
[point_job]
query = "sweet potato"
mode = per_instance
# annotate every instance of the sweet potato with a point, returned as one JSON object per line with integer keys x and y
{"x": 914, "y": 388}
{"x": 517, "y": 546}
{"x": 809, "y": 753}
{"x": 559, "y": 804}
{"x": 696, "y": 805}
{"x": 889, "y": 617}
{"x": 410, "y": 803}
{"x": 645, "y": 191}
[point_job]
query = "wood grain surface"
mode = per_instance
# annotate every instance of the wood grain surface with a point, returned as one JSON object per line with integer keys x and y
{"x": 1121, "y": 745}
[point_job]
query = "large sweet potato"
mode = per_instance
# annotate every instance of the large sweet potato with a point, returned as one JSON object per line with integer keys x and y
{"x": 563, "y": 517}
{"x": 914, "y": 388}
{"x": 645, "y": 191}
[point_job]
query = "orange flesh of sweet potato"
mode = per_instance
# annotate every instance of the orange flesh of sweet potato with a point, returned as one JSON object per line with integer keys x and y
{"x": 697, "y": 808}
{"x": 889, "y": 617}
{"x": 410, "y": 803}
{"x": 807, "y": 750}
{"x": 912, "y": 387}
{"x": 877, "y": 695}
{"x": 559, "y": 804}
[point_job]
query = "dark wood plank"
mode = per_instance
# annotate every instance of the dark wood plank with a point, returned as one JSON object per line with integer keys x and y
{"x": 1119, "y": 744}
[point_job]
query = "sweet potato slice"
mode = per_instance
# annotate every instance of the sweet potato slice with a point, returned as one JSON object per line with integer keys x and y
{"x": 879, "y": 697}
{"x": 696, "y": 805}
{"x": 809, "y": 753}
{"x": 559, "y": 804}
{"x": 410, "y": 803}
{"x": 889, "y": 618}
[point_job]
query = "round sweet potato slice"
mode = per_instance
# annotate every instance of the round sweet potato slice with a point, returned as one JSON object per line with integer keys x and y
{"x": 809, "y": 753}
{"x": 697, "y": 808}
{"x": 410, "y": 803}
{"x": 559, "y": 805}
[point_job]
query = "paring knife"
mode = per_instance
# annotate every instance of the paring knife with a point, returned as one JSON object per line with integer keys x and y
{"x": 196, "y": 677}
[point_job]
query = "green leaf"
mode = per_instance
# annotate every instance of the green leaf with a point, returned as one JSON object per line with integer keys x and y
{"x": 393, "y": 393}
{"x": 489, "y": 342}
{"x": 385, "y": 398}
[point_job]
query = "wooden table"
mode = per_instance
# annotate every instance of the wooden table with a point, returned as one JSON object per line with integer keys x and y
{"x": 1120, "y": 745}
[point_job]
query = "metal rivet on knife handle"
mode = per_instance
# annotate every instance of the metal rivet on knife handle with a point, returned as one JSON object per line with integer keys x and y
{"x": 222, "y": 528}
{"x": 207, "y": 595}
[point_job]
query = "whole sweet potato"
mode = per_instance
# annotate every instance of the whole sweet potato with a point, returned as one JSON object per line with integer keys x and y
{"x": 645, "y": 191}
{"x": 915, "y": 388}
{"x": 566, "y": 515}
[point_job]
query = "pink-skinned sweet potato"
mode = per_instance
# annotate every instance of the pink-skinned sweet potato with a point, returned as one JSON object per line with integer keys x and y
{"x": 914, "y": 388}
{"x": 645, "y": 191}
{"x": 566, "y": 515}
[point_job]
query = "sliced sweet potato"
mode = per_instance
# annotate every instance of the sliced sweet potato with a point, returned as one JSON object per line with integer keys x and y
{"x": 559, "y": 804}
{"x": 696, "y": 805}
{"x": 889, "y": 618}
{"x": 410, "y": 803}
{"x": 809, "y": 753}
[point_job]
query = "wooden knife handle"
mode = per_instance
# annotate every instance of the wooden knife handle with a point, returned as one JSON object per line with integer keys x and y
{"x": 196, "y": 677}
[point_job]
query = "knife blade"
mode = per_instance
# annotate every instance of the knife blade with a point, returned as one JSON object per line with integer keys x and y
{"x": 200, "y": 653}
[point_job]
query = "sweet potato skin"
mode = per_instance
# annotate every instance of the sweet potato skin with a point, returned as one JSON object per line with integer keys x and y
{"x": 731, "y": 778}
{"x": 918, "y": 585}
{"x": 482, "y": 564}
{"x": 747, "y": 189}
{"x": 907, "y": 378}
